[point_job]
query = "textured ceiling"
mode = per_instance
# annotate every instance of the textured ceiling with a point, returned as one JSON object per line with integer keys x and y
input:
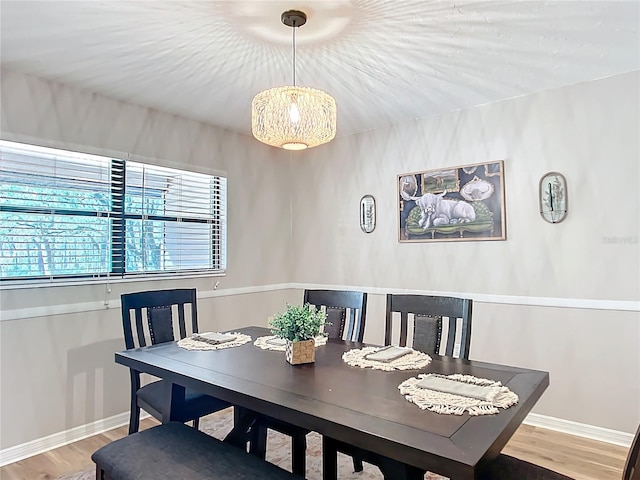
{"x": 384, "y": 61}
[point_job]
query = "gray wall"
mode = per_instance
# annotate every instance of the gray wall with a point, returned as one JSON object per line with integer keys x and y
{"x": 588, "y": 132}
{"x": 56, "y": 366}
{"x": 57, "y": 369}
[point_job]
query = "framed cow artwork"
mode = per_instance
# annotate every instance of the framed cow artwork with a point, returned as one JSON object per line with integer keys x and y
{"x": 464, "y": 203}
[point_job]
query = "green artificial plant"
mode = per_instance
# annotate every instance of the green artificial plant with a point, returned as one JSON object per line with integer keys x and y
{"x": 298, "y": 322}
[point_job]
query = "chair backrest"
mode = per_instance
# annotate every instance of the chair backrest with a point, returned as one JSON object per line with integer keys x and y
{"x": 632, "y": 466}
{"x": 429, "y": 315}
{"x": 346, "y": 310}
{"x": 156, "y": 310}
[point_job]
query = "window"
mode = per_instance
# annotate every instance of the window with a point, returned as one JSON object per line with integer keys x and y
{"x": 67, "y": 214}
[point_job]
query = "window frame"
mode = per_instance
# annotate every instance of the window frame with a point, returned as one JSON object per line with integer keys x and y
{"x": 116, "y": 240}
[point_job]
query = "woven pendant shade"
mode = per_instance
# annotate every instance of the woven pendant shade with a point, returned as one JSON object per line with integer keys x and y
{"x": 294, "y": 118}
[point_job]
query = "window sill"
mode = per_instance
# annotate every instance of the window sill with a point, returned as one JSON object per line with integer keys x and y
{"x": 61, "y": 282}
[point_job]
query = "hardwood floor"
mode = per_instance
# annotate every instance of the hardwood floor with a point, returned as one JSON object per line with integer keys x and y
{"x": 576, "y": 457}
{"x": 67, "y": 459}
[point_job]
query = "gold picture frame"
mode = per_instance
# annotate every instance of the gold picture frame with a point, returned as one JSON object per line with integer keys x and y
{"x": 463, "y": 203}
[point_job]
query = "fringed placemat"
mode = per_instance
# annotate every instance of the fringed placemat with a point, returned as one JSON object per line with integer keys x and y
{"x": 192, "y": 344}
{"x": 357, "y": 357}
{"x": 263, "y": 342}
{"x": 477, "y": 396}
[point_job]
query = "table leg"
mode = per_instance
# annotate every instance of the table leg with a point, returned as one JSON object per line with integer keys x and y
{"x": 243, "y": 422}
{"x": 329, "y": 459}
{"x": 391, "y": 469}
{"x": 299, "y": 453}
{"x": 394, "y": 470}
{"x": 258, "y": 444}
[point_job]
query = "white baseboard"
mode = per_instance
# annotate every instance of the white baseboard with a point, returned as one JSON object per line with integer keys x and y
{"x": 41, "y": 445}
{"x": 35, "y": 447}
{"x": 580, "y": 429}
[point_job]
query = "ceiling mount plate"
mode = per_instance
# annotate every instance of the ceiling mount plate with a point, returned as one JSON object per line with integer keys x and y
{"x": 294, "y": 18}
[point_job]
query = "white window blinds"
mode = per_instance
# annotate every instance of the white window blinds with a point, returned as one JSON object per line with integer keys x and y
{"x": 69, "y": 214}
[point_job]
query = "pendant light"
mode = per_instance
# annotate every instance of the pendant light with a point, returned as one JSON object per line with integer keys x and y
{"x": 293, "y": 117}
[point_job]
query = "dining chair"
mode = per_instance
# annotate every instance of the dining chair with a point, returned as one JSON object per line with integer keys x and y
{"x": 632, "y": 465}
{"x": 441, "y": 325}
{"x": 429, "y": 314}
{"x": 346, "y": 315}
{"x": 346, "y": 312}
{"x": 506, "y": 467}
{"x": 149, "y": 317}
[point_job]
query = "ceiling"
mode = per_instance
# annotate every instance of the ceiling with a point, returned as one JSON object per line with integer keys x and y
{"x": 384, "y": 61}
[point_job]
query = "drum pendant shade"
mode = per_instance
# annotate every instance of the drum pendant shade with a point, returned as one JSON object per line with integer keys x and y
{"x": 293, "y": 117}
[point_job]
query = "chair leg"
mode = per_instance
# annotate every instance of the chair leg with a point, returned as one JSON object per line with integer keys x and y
{"x": 134, "y": 418}
{"x": 299, "y": 454}
{"x": 196, "y": 423}
{"x": 99, "y": 473}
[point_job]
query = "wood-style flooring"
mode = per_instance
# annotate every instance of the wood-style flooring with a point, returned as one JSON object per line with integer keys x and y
{"x": 576, "y": 457}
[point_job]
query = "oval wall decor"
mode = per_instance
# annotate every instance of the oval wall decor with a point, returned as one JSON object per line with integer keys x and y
{"x": 368, "y": 213}
{"x": 552, "y": 196}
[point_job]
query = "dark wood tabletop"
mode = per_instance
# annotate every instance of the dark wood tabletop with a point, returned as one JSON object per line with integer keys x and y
{"x": 362, "y": 407}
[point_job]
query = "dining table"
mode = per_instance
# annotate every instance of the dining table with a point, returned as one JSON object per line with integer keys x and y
{"x": 361, "y": 407}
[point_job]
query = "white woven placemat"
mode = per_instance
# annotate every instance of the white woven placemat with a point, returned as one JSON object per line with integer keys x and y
{"x": 191, "y": 344}
{"x": 262, "y": 343}
{"x": 450, "y": 404}
{"x": 411, "y": 361}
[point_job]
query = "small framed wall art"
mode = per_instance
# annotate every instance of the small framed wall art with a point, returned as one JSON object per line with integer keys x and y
{"x": 552, "y": 195}
{"x": 368, "y": 213}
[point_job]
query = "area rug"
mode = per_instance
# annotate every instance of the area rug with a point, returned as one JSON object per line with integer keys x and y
{"x": 278, "y": 452}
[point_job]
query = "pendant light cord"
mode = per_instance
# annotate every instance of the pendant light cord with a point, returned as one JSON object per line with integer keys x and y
{"x": 294, "y": 54}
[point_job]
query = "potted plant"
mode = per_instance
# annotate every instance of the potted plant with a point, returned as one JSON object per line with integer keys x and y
{"x": 299, "y": 325}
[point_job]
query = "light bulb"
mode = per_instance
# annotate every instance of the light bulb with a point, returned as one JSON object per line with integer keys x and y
{"x": 294, "y": 113}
